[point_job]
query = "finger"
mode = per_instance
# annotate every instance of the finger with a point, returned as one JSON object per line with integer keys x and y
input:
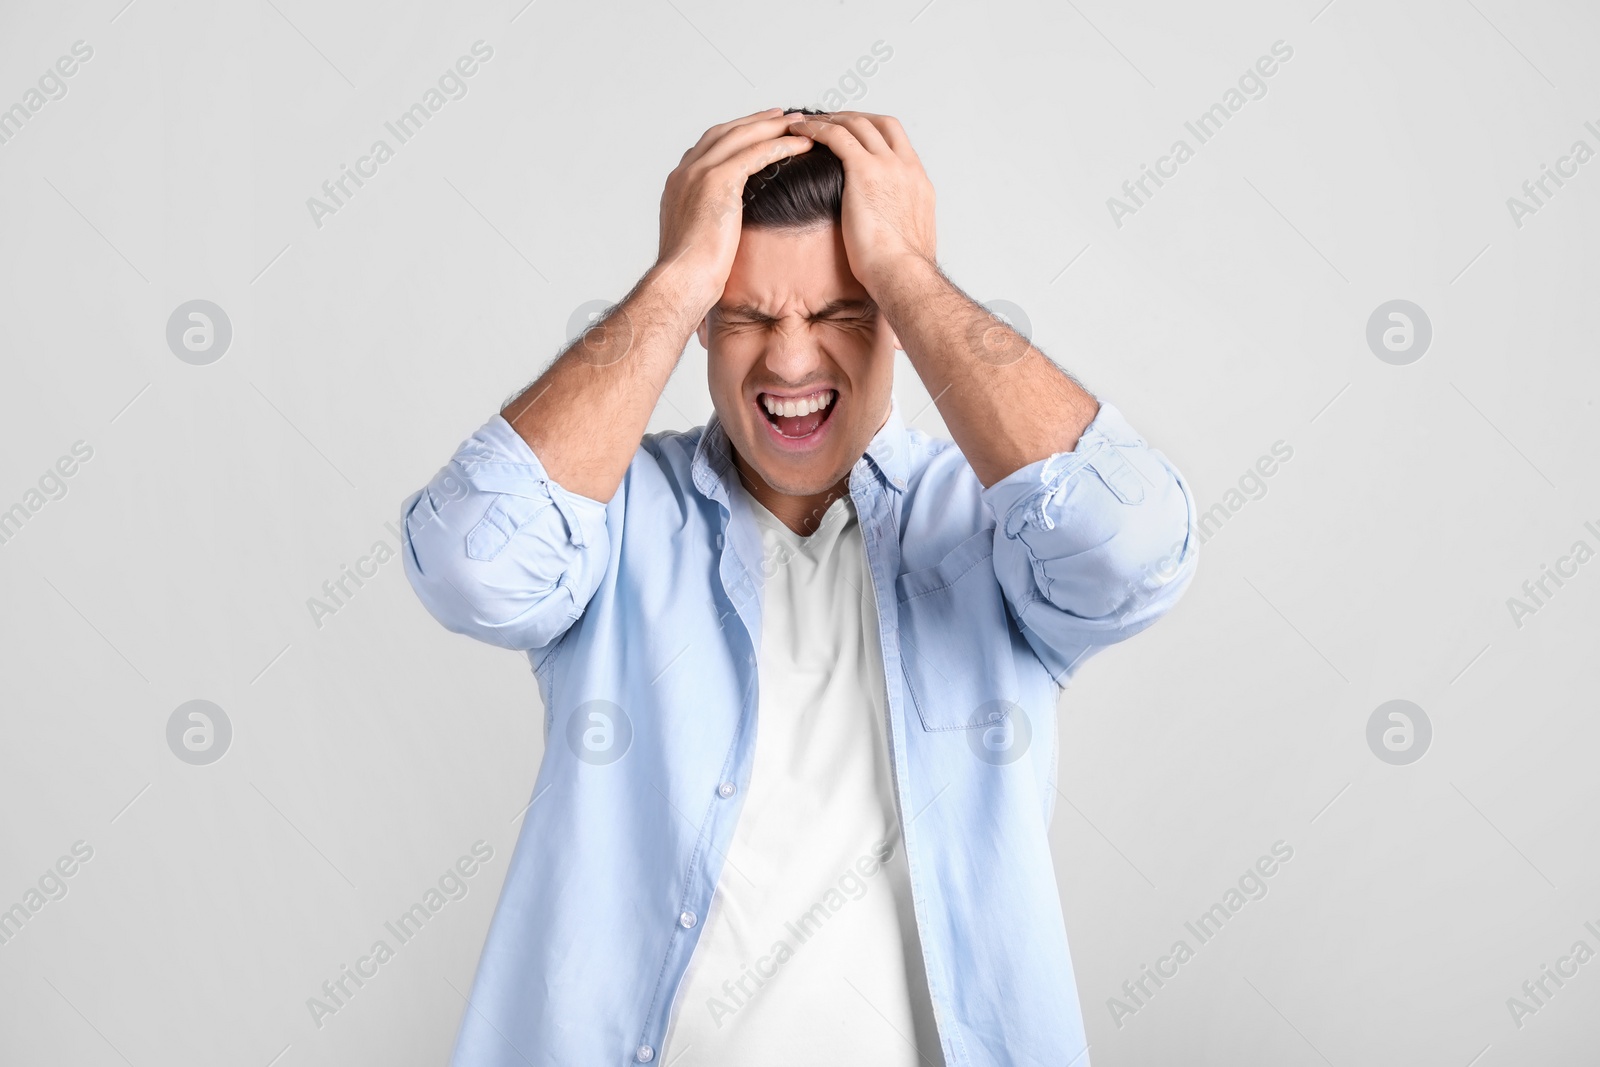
{"x": 840, "y": 141}
{"x": 711, "y": 136}
{"x": 894, "y": 134}
{"x": 759, "y": 156}
{"x": 739, "y": 137}
{"x": 715, "y": 133}
{"x": 865, "y": 132}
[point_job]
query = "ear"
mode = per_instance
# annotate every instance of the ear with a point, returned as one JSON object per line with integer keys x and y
{"x": 894, "y": 338}
{"x": 702, "y": 332}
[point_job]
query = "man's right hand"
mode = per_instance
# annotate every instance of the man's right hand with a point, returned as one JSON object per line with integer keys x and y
{"x": 702, "y": 205}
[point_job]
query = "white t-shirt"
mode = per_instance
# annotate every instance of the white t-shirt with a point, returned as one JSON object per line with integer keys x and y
{"x": 809, "y": 953}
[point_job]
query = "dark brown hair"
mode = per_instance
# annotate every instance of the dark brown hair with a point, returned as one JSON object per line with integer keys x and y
{"x": 797, "y": 192}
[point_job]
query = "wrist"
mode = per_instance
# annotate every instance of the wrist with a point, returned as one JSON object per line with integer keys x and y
{"x": 906, "y": 278}
{"x": 684, "y": 289}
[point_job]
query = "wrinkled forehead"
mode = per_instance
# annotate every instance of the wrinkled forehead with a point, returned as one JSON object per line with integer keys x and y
{"x": 779, "y": 272}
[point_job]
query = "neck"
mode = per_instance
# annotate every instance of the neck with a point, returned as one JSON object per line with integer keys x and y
{"x": 803, "y": 513}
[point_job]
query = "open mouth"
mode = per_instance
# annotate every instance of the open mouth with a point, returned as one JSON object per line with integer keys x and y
{"x": 797, "y": 419}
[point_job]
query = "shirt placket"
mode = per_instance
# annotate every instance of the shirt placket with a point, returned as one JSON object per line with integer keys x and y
{"x": 880, "y": 532}
{"x": 716, "y": 832}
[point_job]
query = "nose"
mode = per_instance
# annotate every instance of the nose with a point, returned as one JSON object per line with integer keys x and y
{"x": 792, "y": 354}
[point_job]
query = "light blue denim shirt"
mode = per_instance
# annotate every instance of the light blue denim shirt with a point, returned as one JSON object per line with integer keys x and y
{"x": 642, "y": 620}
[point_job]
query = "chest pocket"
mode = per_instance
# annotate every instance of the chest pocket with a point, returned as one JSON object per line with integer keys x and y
{"x": 955, "y": 636}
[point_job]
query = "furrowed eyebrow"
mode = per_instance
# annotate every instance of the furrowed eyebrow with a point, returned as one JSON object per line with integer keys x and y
{"x": 751, "y": 313}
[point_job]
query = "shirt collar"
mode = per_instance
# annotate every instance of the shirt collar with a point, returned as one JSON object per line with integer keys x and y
{"x": 888, "y": 456}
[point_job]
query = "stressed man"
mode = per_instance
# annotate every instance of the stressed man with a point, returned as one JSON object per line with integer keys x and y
{"x": 800, "y": 665}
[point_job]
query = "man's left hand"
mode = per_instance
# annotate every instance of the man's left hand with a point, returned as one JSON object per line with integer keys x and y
{"x": 888, "y": 210}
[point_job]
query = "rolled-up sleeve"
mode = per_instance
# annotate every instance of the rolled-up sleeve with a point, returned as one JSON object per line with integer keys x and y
{"x": 1093, "y": 545}
{"x": 496, "y": 549}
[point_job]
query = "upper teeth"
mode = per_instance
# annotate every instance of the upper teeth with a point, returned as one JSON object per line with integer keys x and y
{"x": 801, "y": 405}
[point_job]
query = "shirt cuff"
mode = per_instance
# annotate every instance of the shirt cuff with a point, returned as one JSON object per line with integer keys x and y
{"x": 1035, "y": 494}
{"x": 496, "y": 459}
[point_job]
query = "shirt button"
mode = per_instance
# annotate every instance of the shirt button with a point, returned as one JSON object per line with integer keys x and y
{"x": 726, "y": 790}
{"x": 644, "y": 1054}
{"x": 687, "y": 920}
{"x": 719, "y": 540}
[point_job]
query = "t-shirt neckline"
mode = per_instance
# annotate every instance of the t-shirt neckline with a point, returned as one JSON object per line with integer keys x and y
{"x": 770, "y": 521}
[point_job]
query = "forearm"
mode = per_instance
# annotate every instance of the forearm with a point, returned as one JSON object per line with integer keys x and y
{"x": 1005, "y": 403}
{"x": 584, "y": 416}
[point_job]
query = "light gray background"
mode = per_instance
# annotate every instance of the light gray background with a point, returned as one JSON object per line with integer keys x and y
{"x": 1229, "y": 313}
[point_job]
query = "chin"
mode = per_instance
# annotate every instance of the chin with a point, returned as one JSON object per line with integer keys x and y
{"x": 789, "y": 474}
{"x": 804, "y": 486}
{"x": 795, "y": 478}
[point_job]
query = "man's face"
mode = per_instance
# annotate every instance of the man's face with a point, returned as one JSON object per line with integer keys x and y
{"x": 796, "y": 331}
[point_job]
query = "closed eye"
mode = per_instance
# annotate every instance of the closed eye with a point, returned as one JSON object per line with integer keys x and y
{"x": 848, "y": 313}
